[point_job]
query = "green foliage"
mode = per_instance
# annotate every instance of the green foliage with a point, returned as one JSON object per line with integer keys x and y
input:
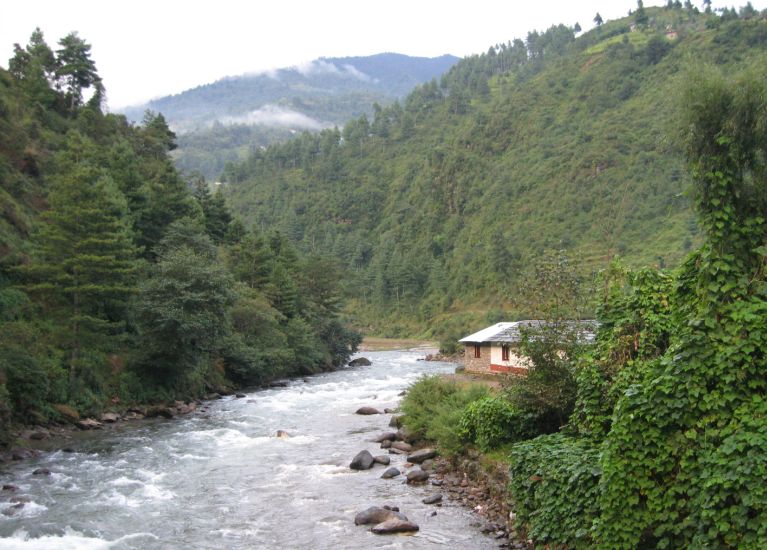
{"x": 493, "y": 421}
{"x": 182, "y": 305}
{"x": 669, "y": 452}
{"x": 554, "y": 485}
{"x": 115, "y": 278}
{"x": 433, "y": 410}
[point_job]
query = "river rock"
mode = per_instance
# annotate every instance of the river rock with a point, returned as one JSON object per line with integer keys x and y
{"x": 41, "y": 472}
{"x": 393, "y": 451}
{"x": 367, "y": 411}
{"x": 386, "y": 436}
{"x": 282, "y": 434}
{"x": 417, "y": 475}
{"x": 165, "y": 412}
{"x": 375, "y": 515}
{"x": 360, "y": 362}
{"x": 240, "y": 395}
{"x": 278, "y": 384}
{"x": 386, "y": 444}
{"x": 19, "y": 453}
{"x": 391, "y": 507}
{"x": 433, "y": 499}
{"x": 110, "y": 417}
{"x": 88, "y": 424}
{"x": 421, "y": 455}
{"x": 382, "y": 459}
{"x": 363, "y": 461}
{"x": 389, "y": 411}
{"x": 10, "y": 488}
{"x": 21, "y": 498}
{"x": 212, "y": 396}
{"x": 390, "y": 473}
{"x": 427, "y": 464}
{"x": 402, "y": 446}
{"x": 396, "y": 421}
{"x": 392, "y": 526}
{"x": 186, "y": 408}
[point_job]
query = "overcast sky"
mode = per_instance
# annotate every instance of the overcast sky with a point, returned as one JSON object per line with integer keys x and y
{"x": 145, "y": 49}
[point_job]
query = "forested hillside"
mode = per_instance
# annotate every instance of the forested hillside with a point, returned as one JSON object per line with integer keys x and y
{"x": 222, "y": 121}
{"x": 438, "y": 203}
{"x": 120, "y": 282}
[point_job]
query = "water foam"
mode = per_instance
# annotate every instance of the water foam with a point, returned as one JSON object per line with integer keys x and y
{"x": 69, "y": 540}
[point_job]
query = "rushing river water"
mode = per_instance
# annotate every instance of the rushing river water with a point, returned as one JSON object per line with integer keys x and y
{"x": 220, "y": 479}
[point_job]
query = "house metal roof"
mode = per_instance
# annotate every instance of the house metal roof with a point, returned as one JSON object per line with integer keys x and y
{"x": 511, "y": 332}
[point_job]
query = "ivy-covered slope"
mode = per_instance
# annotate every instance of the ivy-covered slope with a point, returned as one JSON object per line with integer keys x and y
{"x": 439, "y": 202}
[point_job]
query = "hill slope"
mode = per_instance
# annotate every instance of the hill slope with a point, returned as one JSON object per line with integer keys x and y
{"x": 222, "y": 121}
{"x": 439, "y": 203}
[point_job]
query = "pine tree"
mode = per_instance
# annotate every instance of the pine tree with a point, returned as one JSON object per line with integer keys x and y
{"x": 83, "y": 264}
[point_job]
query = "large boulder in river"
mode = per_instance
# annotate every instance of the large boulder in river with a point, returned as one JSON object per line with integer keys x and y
{"x": 363, "y": 461}
{"x": 375, "y": 515}
{"x": 419, "y": 456}
{"x": 367, "y": 411}
{"x": 396, "y": 525}
{"x": 360, "y": 362}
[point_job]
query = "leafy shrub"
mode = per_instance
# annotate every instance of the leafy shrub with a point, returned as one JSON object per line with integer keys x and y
{"x": 492, "y": 421}
{"x": 433, "y": 408}
{"x": 554, "y": 488}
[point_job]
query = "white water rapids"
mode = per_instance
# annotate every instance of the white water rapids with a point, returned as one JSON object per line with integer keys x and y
{"x": 220, "y": 479}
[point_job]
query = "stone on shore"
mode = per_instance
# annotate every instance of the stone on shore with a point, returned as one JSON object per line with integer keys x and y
{"x": 110, "y": 418}
{"x": 423, "y": 454}
{"x": 88, "y": 424}
{"x": 393, "y": 526}
{"x": 386, "y": 444}
{"x": 360, "y": 362}
{"x": 390, "y": 473}
{"x": 386, "y": 436}
{"x": 433, "y": 499}
{"x": 382, "y": 459}
{"x": 367, "y": 411}
{"x": 417, "y": 475}
{"x": 363, "y": 461}
{"x": 402, "y": 446}
{"x": 375, "y": 515}
{"x": 396, "y": 421}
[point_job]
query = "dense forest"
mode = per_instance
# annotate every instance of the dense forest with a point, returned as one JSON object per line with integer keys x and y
{"x": 436, "y": 204}
{"x": 120, "y": 282}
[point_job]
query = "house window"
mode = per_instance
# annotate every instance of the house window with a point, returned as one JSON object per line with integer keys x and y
{"x": 504, "y": 353}
{"x": 477, "y": 351}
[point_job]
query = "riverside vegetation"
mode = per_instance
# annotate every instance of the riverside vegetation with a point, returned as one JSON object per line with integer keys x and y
{"x": 120, "y": 281}
{"x": 663, "y": 437}
{"x": 436, "y": 204}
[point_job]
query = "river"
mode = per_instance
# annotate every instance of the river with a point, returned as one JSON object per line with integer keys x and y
{"x": 219, "y": 479}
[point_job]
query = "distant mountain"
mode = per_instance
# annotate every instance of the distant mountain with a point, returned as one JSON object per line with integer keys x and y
{"x": 272, "y": 106}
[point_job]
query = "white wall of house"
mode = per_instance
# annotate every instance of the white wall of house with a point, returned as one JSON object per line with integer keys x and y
{"x": 496, "y": 357}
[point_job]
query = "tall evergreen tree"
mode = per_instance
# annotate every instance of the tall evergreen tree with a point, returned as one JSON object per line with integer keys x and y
{"x": 83, "y": 265}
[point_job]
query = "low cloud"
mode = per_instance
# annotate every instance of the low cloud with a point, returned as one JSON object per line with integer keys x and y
{"x": 320, "y": 66}
{"x": 276, "y": 116}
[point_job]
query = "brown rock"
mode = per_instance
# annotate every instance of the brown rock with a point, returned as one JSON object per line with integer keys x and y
{"x": 417, "y": 476}
{"x": 382, "y": 459}
{"x": 402, "y": 446}
{"x": 110, "y": 417}
{"x": 423, "y": 454}
{"x": 367, "y": 411}
{"x": 392, "y": 526}
{"x": 88, "y": 424}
